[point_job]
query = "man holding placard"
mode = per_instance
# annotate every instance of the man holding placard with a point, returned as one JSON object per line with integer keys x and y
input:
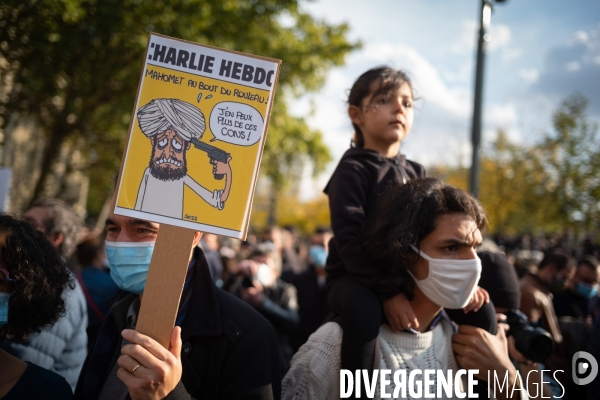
{"x": 221, "y": 348}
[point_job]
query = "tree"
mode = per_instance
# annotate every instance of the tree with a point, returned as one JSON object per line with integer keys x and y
{"x": 570, "y": 157}
{"x": 548, "y": 186}
{"x": 511, "y": 178}
{"x": 306, "y": 216}
{"x": 72, "y": 67}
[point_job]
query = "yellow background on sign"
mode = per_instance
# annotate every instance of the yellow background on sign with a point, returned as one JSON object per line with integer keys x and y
{"x": 243, "y": 157}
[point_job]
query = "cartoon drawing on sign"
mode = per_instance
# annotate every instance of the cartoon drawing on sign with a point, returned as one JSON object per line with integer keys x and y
{"x": 173, "y": 126}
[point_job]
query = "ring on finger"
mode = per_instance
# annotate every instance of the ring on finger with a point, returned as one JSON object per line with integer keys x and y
{"x": 135, "y": 368}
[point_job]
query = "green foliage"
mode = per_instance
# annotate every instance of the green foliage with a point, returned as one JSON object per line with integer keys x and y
{"x": 74, "y": 66}
{"x": 570, "y": 158}
{"x": 290, "y": 144}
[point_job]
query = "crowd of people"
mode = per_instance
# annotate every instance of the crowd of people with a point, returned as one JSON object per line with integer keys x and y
{"x": 403, "y": 280}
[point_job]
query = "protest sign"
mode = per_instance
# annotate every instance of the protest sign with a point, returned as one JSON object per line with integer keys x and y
{"x": 191, "y": 160}
{"x": 196, "y": 138}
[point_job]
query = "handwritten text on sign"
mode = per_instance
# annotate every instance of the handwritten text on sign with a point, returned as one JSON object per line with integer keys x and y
{"x": 236, "y": 123}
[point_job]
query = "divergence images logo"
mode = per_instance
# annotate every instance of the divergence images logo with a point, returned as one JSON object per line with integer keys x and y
{"x": 581, "y": 367}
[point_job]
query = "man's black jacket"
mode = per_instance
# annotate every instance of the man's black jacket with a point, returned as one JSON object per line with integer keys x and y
{"x": 229, "y": 350}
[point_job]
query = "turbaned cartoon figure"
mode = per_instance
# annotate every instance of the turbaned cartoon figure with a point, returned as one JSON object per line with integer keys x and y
{"x": 173, "y": 126}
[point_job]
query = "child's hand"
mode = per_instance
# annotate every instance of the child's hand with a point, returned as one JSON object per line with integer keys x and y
{"x": 479, "y": 298}
{"x": 399, "y": 313}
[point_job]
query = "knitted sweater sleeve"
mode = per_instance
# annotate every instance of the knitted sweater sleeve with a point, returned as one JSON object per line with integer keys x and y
{"x": 314, "y": 374}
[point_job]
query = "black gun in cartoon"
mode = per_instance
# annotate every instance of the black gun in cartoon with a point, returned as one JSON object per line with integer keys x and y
{"x": 214, "y": 153}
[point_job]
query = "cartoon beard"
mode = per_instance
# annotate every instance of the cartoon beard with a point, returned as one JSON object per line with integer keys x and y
{"x": 165, "y": 173}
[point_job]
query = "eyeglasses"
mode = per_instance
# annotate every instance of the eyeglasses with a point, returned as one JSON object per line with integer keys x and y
{"x": 4, "y": 279}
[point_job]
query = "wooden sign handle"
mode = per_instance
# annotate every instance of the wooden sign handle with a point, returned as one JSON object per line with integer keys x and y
{"x": 165, "y": 281}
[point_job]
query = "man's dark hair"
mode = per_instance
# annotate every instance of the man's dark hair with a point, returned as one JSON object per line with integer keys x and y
{"x": 322, "y": 229}
{"x": 407, "y": 213}
{"x": 499, "y": 278}
{"x": 290, "y": 228}
{"x": 559, "y": 258}
{"x": 38, "y": 274}
{"x": 88, "y": 249}
{"x": 589, "y": 261}
{"x": 61, "y": 219}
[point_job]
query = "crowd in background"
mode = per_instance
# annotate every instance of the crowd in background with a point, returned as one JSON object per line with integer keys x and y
{"x": 281, "y": 273}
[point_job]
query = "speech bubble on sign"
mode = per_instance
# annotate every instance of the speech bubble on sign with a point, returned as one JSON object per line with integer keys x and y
{"x": 236, "y": 123}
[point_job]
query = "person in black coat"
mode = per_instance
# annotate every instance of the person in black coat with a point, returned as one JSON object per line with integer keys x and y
{"x": 593, "y": 389}
{"x": 226, "y": 350}
{"x": 312, "y": 295}
{"x": 259, "y": 285}
{"x": 576, "y": 300}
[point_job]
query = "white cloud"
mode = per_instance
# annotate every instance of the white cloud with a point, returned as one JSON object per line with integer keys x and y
{"x": 580, "y": 36}
{"x": 500, "y": 40}
{"x": 510, "y": 54}
{"x": 573, "y": 66}
{"x": 500, "y": 37}
{"x": 581, "y": 57}
{"x": 530, "y": 75}
{"x": 500, "y": 115}
{"x": 467, "y": 39}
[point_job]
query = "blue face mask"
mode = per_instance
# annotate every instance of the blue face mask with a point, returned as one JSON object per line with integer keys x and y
{"x": 129, "y": 263}
{"x": 4, "y": 308}
{"x": 318, "y": 256}
{"x": 585, "y": 290}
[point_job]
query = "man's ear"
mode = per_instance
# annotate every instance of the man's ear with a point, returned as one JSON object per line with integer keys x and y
{"x": 189, "y": 144}
{"x": 355, "y": 114}
{"x": 197, "y": 237}
{"x": 57, "y": 239}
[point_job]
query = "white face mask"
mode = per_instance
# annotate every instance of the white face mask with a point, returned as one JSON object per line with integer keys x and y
{"x": 450, "y": 283}
{"x": 265, "y": 275}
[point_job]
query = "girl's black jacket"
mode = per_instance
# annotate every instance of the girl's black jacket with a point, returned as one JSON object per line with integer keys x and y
{"x": 354, "y": 189}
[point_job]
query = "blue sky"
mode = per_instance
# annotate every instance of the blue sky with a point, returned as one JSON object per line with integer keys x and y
{"x": 541, "y": 51}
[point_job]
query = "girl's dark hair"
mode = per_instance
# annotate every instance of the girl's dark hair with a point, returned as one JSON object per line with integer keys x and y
{"x": 407, "y": 213}
{"x": 39, "y": 277}
{"x": 389, "y": 81}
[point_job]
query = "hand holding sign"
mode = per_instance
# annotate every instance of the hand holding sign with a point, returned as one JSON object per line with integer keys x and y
{"x": 149, "y": 370}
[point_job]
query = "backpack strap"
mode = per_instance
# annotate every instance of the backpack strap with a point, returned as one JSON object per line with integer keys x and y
{"x": 89, "y": 299}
